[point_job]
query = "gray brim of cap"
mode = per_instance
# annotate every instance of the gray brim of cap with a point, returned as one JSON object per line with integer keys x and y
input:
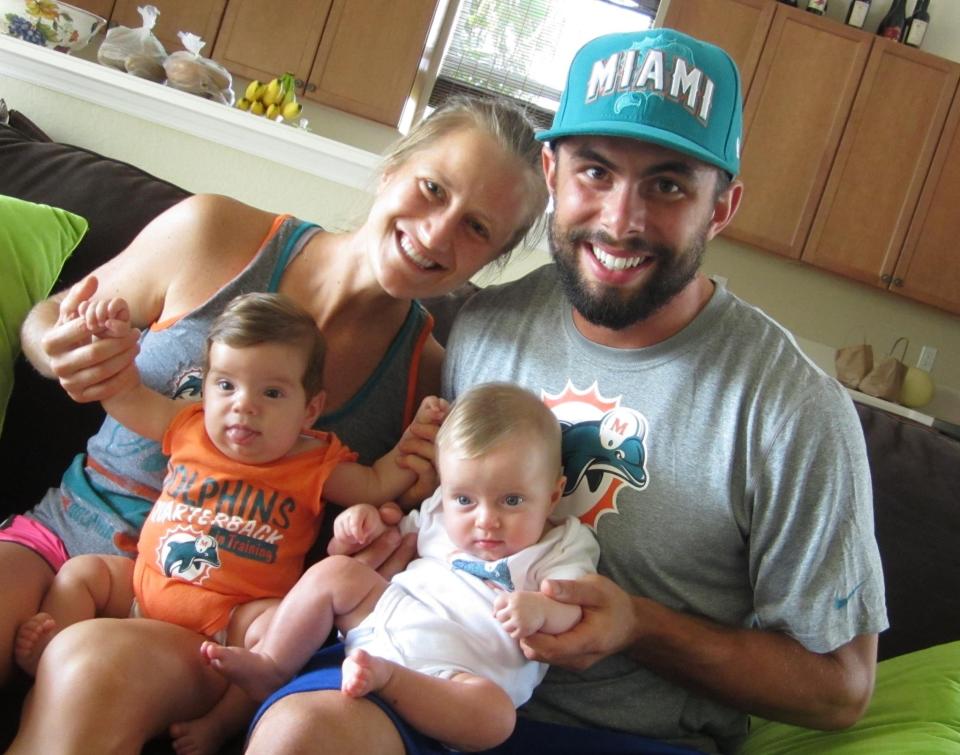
{"x": 643, "y": 133}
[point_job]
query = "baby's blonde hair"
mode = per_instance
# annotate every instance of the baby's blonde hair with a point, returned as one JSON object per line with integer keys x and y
{"x": 488, "y": 413}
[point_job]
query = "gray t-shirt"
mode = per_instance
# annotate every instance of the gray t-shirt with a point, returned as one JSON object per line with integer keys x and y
{"x": 724, "y": 474}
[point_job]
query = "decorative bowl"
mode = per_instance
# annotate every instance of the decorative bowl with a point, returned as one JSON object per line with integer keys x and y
{"x": 49, "y": 23}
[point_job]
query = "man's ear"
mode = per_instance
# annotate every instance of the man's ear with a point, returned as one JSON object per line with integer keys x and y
{"x": 725, "y": 208}
{"x": 314, "y": 409}
{"x": 548, "y": 159}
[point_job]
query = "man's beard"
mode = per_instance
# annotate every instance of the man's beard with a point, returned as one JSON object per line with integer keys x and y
{"x": 610, "y": 307}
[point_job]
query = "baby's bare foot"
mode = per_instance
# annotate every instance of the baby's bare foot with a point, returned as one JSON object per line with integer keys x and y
{"x": 363, "y": 673}
{"x": 256, "y": 674}
{"x": 202, "y": 736}
{"x": 32, "y": 637}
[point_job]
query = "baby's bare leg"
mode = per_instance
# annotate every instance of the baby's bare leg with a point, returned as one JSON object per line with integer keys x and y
{"x": 336, "y": 591}
{"x": 445, "y": 709}
{"x": 86, "y": 587}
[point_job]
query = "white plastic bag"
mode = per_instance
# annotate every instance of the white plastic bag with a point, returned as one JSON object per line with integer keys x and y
{"x": 188, "y": 71}
{"x": 136, "y": 51}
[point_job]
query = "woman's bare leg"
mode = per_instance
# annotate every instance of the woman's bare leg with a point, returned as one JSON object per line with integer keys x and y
{"x": 324, "y": 723}
{"x": 109, "y": 685}
{"x": 27, "y": 577}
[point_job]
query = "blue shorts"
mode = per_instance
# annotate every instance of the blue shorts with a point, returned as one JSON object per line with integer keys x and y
{"x": 323, "y": 673}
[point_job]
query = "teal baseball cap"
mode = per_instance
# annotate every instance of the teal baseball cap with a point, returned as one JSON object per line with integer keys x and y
{"x": 660, "y": 86}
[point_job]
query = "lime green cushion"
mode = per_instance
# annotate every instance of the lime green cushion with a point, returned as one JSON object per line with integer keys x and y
{"x": 35, "y": 241}
{"x": 915, "y": 709}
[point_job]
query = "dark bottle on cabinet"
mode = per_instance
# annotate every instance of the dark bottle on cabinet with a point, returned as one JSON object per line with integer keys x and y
{"x": 789, "y": 2}
{"x": 892, "y": 25}
{"x": 916, "y": 27}
{"x": 857, "y": 13}
{"x": 817, "y": 6}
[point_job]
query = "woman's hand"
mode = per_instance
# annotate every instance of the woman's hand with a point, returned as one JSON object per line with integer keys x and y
{"x": 88, "y": 368}
{"x": 390, "y": 552}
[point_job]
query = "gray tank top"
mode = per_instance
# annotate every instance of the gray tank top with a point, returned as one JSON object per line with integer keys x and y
{"x": 104, "y": 497}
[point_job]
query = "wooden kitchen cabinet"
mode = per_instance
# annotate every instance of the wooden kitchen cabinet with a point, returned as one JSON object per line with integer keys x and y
{"x": 261, "y": 39}
{"x": 882, "y": 163}
{"x": 369, "y": 55}
{"x": 360, "y": 56}
{"x": 928, "y": 269}
{"x": 801, "y": 95}
{"x": 738, "y": 26}
{"x": 103, "y": 8}
{"x": 202, "y": 17}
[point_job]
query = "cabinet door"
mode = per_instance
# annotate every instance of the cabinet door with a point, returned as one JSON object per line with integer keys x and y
{"x": 929, "y": 267}
{"x": 202, "y": 17}
{"x": 103, "y": 8}
{"x": 369, "y": 55}
{"x": 881, "y": 163}
{"x": 799, "y": 101}
{"x": 738, "y": 26}
{"x": 261, "y": 39}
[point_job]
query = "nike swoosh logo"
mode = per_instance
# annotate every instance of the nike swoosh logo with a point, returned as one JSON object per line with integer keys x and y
{"x": 839, "y": 603}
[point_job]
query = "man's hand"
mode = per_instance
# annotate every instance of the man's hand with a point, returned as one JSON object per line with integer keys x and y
{"x": 608, "y": 626}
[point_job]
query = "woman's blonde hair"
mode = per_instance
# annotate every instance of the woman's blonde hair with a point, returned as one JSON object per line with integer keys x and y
{"x": 256, "y": 318}
{"x": 488, "y": 413}
{"x": 507, "y": 123}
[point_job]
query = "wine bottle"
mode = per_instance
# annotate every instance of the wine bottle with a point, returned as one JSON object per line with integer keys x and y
{"x": 817, "y": 6}
{"x": 789, "y": 2}
{"x": 857, "y": 13}
{"x": 916, "y": 27}
{"x": 892, "y": 25}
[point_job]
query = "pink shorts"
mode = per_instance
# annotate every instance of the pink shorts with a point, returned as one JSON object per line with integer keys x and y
{"x": 31, "y": 534}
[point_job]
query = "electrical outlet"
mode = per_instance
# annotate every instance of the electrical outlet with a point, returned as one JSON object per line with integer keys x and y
{"x": 928, "y": 355}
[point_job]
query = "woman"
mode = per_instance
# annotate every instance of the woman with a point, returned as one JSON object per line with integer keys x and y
{"x": 459, "y": 191}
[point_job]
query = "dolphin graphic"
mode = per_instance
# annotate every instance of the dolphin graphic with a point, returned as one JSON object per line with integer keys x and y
{"x": 183, "y": 556}
{"x": 590, "y": 453}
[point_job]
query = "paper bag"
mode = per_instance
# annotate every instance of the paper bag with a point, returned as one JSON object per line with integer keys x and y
{"x": 853, "y": 363}
{"x": 886, "y": 378}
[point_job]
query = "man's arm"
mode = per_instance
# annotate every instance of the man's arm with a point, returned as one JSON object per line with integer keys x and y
{"x": 762, "y": 672}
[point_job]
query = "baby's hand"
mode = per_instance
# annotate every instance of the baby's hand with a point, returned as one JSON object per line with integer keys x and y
{"x": 354, "y": 528}
{"x": 521, "y": 613}
{"x": 105, "y": 318}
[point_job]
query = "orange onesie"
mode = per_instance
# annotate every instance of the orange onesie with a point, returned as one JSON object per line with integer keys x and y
{"x": 223, "y": 532}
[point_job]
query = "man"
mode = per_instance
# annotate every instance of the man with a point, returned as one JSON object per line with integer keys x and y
{"x": 724, "y": 475}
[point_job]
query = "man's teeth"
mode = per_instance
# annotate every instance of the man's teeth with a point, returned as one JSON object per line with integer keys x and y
{"x": 418, "y": 259}
{"x": 615, "y": 263}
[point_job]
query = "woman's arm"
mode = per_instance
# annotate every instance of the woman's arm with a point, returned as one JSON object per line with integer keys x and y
{"x": 173, "y": 265}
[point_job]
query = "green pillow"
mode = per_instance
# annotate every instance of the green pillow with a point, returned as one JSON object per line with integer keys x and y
{"x": 35, "y": 241}
{"x": 915, "y": 709}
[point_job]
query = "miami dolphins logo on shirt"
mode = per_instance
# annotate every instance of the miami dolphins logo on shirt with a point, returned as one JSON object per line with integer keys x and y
{"x": 603, "y": 450}
{"x": 187, "y": 554}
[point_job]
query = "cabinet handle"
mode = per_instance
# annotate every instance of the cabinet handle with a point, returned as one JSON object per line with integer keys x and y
{"x": 898, "y": 282}
{"x": 886, "y": 278}
{"x": 311, "y": 87}
{"x": 298, "y": 83}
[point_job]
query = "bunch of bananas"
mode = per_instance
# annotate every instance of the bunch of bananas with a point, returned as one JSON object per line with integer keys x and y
{"x": 277, "y": 99}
